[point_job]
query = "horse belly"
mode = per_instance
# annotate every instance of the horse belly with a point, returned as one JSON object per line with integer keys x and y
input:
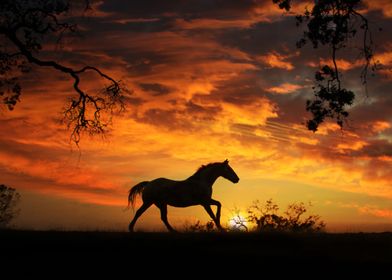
{"x": 183, "y": 198}
{"x": 182, "y": 203}
{"x": 173, "y": 193}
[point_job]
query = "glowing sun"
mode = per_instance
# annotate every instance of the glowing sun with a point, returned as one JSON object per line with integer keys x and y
{"x": 238, "y": 222}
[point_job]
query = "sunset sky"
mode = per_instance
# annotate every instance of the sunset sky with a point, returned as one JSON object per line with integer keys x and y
{"x": 208, "y": 80}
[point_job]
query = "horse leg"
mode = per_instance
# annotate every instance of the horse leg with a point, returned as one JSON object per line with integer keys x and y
{"x": 139, "y": 212}
{"x": 212, "y": 215}
{"x": 218, "y": 209}
{"x": 163, "y": 208}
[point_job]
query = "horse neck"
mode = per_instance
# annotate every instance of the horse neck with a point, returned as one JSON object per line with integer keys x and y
{"x": 210, "y": 176}
{"x": 205, "y": 179}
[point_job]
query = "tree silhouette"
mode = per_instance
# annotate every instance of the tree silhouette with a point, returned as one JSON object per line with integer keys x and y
{"x": 333, "y": 23}
{"x": 9, "y": 199}
{"x": 25, "y": 27}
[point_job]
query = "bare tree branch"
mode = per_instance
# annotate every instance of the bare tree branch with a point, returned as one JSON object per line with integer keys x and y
{"x": 25, "y": 25}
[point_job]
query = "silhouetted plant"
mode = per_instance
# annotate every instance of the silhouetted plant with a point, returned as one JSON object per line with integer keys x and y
{"x": 333, "y": 23}
{"x": 198, "y": 226}
{"x": 266, "y": 218}
{"x": 9, "y": 199}
{"x": 25, "y": 27}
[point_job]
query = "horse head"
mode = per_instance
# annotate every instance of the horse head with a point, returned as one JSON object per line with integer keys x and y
{"x": 228, "y": 173}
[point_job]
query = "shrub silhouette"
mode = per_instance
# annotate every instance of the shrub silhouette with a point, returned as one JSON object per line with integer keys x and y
{"x": 9, "y": 199}
{"x": 266, "y": 218}
{"x": 199, "y": 226}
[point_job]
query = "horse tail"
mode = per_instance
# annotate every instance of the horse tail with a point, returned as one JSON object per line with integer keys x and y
{"x": 134, "y": 191}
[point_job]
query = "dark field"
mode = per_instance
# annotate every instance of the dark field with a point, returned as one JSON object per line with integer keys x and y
{"x": 241, "y": 253}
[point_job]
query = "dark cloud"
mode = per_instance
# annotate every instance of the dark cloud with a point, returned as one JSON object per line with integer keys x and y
{"x": 201, "y": 113}
{"x": 263, "y": 37}
{"x": 291, "y": 108}
{"x": 185, "y": 8}
{"x": 167, "y": 119}
{"x": 378, "y": 96}
{"x": 130, "y": 100}
{"x": 242, "y": 89}
{"x": 121, "y": 23}
{"x": 187, "y": 119}
{"x": 155, "y": 88}
{"x": 376, "y": 148}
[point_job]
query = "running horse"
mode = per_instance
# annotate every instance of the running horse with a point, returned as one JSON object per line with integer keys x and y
{"x": 195, "y": 190}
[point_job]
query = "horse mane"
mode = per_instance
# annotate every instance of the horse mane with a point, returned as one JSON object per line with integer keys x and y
{"x": 203, "y": 168}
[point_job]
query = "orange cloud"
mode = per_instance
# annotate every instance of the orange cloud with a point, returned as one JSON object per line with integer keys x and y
{"x": 374, "y": 211}
{"x": 380, "y": 126}
{"x": 384, "y": 58}
{"x": 343, "y": 64}
{"x": 385, "y": 158}
{"x": 255, "y": 113}
{"x": 59, "y": 173}
{"x": 276, "y": 60}
{"x": 284, "y": 88}
{"x": 354, "y": 146}
{"x": 384, "y": 6}
{"x": 271, "y": 11}
{"x": 328, "y": 127}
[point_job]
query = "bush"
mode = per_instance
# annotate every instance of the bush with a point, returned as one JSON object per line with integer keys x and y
{"x": 266, "y": 218}
{"x": 9, "y": 199}
{"x": 200, "y": 227}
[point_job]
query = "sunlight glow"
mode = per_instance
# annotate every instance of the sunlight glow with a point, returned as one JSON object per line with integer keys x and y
{"x": 238, "y": 223}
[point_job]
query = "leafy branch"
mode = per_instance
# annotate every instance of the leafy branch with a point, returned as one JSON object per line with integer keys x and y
{"x": 333, "y": 23}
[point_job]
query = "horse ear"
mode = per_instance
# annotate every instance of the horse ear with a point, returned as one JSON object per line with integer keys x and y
{"x": 226, "y": 161}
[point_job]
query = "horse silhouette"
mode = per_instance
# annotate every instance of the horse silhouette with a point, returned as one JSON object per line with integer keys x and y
{"x": 195, "y": 190}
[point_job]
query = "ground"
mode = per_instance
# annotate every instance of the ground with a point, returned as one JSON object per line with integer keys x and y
{"x": 233, "y": 253}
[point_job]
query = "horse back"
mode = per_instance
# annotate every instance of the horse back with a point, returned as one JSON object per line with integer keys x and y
{"x": 158, "y": 186}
